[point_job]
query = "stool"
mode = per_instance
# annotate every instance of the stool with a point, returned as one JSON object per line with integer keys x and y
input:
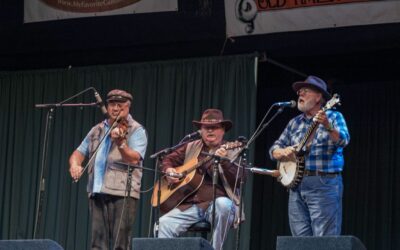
{"x": 203, "y": 227}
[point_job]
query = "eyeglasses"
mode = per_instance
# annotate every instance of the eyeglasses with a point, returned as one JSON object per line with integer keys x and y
{"x": 304, "y": 90}
{"x": 117, "y": 104}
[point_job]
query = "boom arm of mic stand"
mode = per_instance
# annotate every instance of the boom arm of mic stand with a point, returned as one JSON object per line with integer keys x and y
{"x": 57, "y": 105}
{"x": 267, "y": 123}
{"x": 258, "y": 131}
{"x": 166, "y": 151}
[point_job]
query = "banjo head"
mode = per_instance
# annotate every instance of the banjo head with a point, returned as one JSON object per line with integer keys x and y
{"x": 288, "y": 171}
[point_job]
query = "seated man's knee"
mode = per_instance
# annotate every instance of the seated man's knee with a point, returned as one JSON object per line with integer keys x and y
{"x": 165, "y": 228}
{"x": 223, "y": 205}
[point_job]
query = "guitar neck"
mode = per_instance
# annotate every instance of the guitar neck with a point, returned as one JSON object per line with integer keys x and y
{"x": 198, "y": 164}
{"x": 227, "y": 146}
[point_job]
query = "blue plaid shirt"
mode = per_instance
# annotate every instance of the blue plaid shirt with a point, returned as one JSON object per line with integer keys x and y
{"x": 324, "y": 155}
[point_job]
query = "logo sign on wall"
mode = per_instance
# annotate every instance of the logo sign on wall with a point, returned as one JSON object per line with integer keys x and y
{"x": 43, "y": 10}
{"x": 247, "y": 17}
{"x": 88, "y": 5}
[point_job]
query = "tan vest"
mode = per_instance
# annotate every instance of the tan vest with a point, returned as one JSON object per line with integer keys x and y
{"x": 115, "y": 176}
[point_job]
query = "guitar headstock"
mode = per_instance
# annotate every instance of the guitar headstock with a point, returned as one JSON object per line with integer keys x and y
{"x": 232, "y": 145}
{"x": 335, "y": 100}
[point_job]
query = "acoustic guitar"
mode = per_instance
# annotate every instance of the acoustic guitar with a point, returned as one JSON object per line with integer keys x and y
{"x": 174, "y": 194}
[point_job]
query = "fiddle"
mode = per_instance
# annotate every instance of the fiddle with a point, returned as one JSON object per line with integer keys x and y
{"x": 118, "y": 134}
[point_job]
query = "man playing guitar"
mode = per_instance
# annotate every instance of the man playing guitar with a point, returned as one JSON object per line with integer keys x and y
{"x": 197, "y": 205}
{"x": 315, "y": 204}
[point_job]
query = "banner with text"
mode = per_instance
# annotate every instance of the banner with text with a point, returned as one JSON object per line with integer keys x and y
{"x": 248, "y": 17}
{"x": 45, "y": 10}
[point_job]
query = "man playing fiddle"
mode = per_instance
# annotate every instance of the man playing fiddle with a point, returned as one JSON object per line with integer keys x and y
{"x": 112, "y": 206}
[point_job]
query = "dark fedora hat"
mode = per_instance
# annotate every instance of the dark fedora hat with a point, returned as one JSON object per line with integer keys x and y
{"x": 315, "y": 83}
{"x": 118, "y": 95}
{"x": 213, "y": 117}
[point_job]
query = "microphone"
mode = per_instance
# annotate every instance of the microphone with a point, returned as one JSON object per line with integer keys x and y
{"x": 291, "y": 104}
{"x": 194, "y": 135}
{"x": 100, "y": 103}
{"x": 264, "y": 171}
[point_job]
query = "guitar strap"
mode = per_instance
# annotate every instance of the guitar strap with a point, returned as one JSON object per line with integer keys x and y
{"x": 233, "y": 197}
{"x": 193, "y": 150}
{"x": 227, "y": 187}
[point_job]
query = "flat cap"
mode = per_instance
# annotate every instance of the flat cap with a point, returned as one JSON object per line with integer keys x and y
{"x": 118, "y": 95}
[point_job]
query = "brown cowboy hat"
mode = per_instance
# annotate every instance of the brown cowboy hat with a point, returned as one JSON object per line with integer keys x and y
{"x": 212, "y": 117}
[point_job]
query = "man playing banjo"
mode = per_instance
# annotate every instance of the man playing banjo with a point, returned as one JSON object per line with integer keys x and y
{"x": 315, "y": 203}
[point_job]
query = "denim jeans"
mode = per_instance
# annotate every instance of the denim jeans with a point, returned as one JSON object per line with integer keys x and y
{"x": 176, "y": 222}
{"x": 315, "y": 206}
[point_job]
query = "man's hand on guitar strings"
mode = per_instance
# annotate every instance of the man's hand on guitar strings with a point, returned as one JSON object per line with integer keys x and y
{"x": 170, "y": 179}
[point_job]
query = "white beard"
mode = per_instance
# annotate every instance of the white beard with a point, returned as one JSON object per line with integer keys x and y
{"x": 306, "y": 105}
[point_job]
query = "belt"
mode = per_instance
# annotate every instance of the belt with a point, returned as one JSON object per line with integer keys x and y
{"x": 320, "y": 173}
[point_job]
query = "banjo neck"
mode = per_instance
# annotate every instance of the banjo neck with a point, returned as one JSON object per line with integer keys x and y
{"x": 299, "y": 149}
{"x": 310, "y": 131}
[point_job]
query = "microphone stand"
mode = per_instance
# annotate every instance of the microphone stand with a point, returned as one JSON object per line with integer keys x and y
{"x": 158, "y": 174}
{"x": 43, "y": 169}
{"x": 128, "y": 187}
{"x": 243, "y": 158}
{"x": 214, "y": 184}
{"x": 217, "y": 160}
{"x": 242, "y": 155}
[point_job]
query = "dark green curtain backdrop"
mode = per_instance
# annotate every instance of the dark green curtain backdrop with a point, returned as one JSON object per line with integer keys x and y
{"x": 167, "y": 97}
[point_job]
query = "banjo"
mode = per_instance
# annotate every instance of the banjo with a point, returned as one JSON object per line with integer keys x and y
{"x": 291, "y": 172}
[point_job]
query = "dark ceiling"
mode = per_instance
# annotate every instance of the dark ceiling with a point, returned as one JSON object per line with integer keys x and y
{"x": 196, "y": 30}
